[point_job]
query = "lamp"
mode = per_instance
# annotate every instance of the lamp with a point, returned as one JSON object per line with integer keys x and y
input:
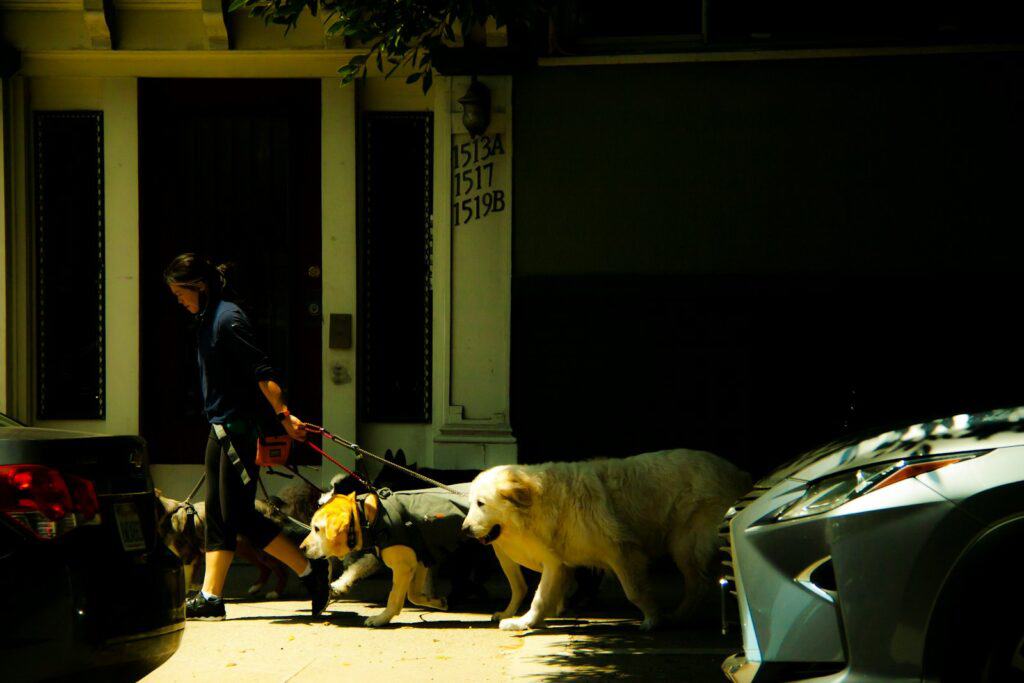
{"x": 476, "y": 108}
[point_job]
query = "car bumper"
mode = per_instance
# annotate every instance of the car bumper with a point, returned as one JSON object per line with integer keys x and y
{"x": 73, "y": 610}
{"x": 816, "y": 595}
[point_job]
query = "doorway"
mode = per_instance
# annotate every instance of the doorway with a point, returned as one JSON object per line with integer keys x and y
{"x": 231, "y": 169}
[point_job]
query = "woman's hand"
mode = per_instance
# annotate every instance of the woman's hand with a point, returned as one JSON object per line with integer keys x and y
{"x": 295, "y": 427}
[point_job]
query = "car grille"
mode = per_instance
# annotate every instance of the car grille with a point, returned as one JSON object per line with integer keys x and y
{"x": 727, "y": 577}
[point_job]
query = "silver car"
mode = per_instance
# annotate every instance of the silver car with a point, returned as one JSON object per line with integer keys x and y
{"x": 887, "y": 559}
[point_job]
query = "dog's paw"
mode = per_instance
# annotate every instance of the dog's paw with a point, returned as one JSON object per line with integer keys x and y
{"x": 377, "y": 620}
{"x": 520, "y": 624}
{"x": 499, "y": 616}
{"x": 649, "y": 624}
{"x": 255, "y": 588}
{"x": 340, "y": 587}
{"x": 273, "y": 595}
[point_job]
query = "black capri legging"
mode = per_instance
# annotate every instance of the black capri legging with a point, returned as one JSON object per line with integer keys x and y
{"x": 230, "y": 504}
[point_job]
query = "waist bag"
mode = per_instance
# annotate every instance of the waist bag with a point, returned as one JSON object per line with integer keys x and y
{"x": 273, "y": 451}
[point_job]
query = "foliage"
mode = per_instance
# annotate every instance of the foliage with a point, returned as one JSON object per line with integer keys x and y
{"x": 397, "y": 32}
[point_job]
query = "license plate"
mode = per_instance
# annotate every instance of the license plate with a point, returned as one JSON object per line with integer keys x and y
{"x": 130, "y": 527}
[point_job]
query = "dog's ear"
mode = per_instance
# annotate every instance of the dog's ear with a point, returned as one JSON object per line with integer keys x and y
{"x": 332, "y": 529}
{"x": 517, "y": 489}
{"x": 168, "y": 505}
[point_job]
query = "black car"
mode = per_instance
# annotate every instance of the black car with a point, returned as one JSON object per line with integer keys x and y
{"x": 85, "y": 584}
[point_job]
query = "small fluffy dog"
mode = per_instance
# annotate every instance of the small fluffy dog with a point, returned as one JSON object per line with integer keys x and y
{"x": 611, "y": 514}
{"x": 410, "y": 530}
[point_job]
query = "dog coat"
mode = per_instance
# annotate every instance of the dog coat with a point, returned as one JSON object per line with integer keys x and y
{"x": 427, "y": 520}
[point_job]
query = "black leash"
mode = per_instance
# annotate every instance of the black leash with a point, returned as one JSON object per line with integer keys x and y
{"x": 359, "y": 452}
{"x": 275, "y": 508}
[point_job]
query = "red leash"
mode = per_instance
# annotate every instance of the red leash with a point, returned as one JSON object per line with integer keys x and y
{"x": 368, "y": 485}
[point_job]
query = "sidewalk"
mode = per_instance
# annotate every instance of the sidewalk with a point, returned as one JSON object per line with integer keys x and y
{"x": 277, "y": 641}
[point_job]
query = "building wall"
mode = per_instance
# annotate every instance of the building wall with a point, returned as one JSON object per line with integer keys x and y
{"x": 117, "y": 99}
{"x": 706, "y": 251}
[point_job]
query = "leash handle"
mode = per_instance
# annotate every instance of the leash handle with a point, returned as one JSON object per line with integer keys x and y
{"x": 360, "y": 451}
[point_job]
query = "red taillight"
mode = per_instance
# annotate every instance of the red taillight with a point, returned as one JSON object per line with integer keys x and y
{"x": 34, "y": 487}
{"x": 83, "y": 496}
{"x": 38, "y": 497}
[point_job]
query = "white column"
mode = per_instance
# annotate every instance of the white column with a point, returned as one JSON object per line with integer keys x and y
{"x": 121, "y": 196}
{"x": 338, "y": 206}
{"x": 3, "y": 249}
{"x": 18, "y": 337}
{"x": 472, "y": 282}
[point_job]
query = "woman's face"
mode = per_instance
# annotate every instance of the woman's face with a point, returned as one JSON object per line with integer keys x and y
{"x": 187, "y": 297}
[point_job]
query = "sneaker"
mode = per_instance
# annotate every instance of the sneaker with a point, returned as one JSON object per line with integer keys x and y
{"x": 317, "y": 586}
{"x": 198, "y": 607}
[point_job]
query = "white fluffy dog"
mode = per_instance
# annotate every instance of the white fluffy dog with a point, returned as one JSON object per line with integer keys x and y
{"x": 612, "y": 514}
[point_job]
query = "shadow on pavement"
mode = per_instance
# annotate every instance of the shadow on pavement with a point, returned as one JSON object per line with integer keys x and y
{"x": 619, "y": 650}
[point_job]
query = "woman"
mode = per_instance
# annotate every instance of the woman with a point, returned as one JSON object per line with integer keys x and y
{"x": 239, "y": 385}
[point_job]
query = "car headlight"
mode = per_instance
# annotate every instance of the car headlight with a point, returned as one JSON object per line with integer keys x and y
{"x": 831, "y": 492}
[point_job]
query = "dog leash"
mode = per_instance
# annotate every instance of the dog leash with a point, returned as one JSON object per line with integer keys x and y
{"x": 275, "y": 508}
{"x": 359, "y": 452}
{"x": 319, "y": 430}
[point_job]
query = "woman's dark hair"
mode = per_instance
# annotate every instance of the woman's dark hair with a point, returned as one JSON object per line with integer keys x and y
{"x": 190, "y": 270}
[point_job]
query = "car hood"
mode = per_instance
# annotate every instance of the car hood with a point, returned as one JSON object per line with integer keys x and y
{"x": 956, "y": 434}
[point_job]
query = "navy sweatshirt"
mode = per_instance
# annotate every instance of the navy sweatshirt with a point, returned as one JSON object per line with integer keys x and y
{"x": 231, "y": 365}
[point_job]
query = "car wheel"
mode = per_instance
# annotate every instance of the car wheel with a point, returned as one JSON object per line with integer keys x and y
{"x": 1004, "y": 659}
{"x": 990, "y": 650}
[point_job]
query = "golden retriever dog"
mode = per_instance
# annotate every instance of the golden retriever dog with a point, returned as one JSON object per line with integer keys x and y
{"x": 410, "y": 530}
{"x": 616, "y": 515}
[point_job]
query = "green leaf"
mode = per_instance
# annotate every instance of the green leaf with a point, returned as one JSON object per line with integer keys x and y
{"x": 414, "y": 77}
{"x": 333, "y": 28}
{"x": 428, "y": 79}
{"x": 235, "y": 4}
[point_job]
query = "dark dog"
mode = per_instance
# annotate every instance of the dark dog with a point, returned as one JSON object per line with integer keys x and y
{"x": 182, "y": 528}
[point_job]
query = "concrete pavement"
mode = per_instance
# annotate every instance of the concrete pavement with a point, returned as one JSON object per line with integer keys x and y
{"x": 277, "y": 641}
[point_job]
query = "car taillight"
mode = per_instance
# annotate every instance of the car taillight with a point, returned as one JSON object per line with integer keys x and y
{"x": 83, "y": 496}
{"x": 43, "y": 500}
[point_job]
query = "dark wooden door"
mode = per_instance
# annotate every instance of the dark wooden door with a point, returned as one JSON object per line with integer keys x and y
{"x": 229, "y": 168}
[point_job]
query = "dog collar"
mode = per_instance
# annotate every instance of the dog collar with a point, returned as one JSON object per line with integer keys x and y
{"x": 369, "y": 529}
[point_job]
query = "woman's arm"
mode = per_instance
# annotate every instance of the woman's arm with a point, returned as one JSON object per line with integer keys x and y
{"x": 293, "y": 425}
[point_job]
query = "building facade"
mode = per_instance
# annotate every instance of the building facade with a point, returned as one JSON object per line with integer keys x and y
{"x": 214, "y": 133}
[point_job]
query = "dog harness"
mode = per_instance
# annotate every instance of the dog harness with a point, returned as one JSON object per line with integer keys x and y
{"x": 427, "y": 520}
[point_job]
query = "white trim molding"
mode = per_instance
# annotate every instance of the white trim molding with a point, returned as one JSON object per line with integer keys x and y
{"x": 186, "y": 63}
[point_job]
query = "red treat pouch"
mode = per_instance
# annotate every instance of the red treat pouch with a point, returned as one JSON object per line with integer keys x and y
{"x": 272, "y": 451}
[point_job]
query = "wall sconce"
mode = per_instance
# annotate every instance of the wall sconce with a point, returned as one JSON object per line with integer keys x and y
{"x": 476, "y": 108}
